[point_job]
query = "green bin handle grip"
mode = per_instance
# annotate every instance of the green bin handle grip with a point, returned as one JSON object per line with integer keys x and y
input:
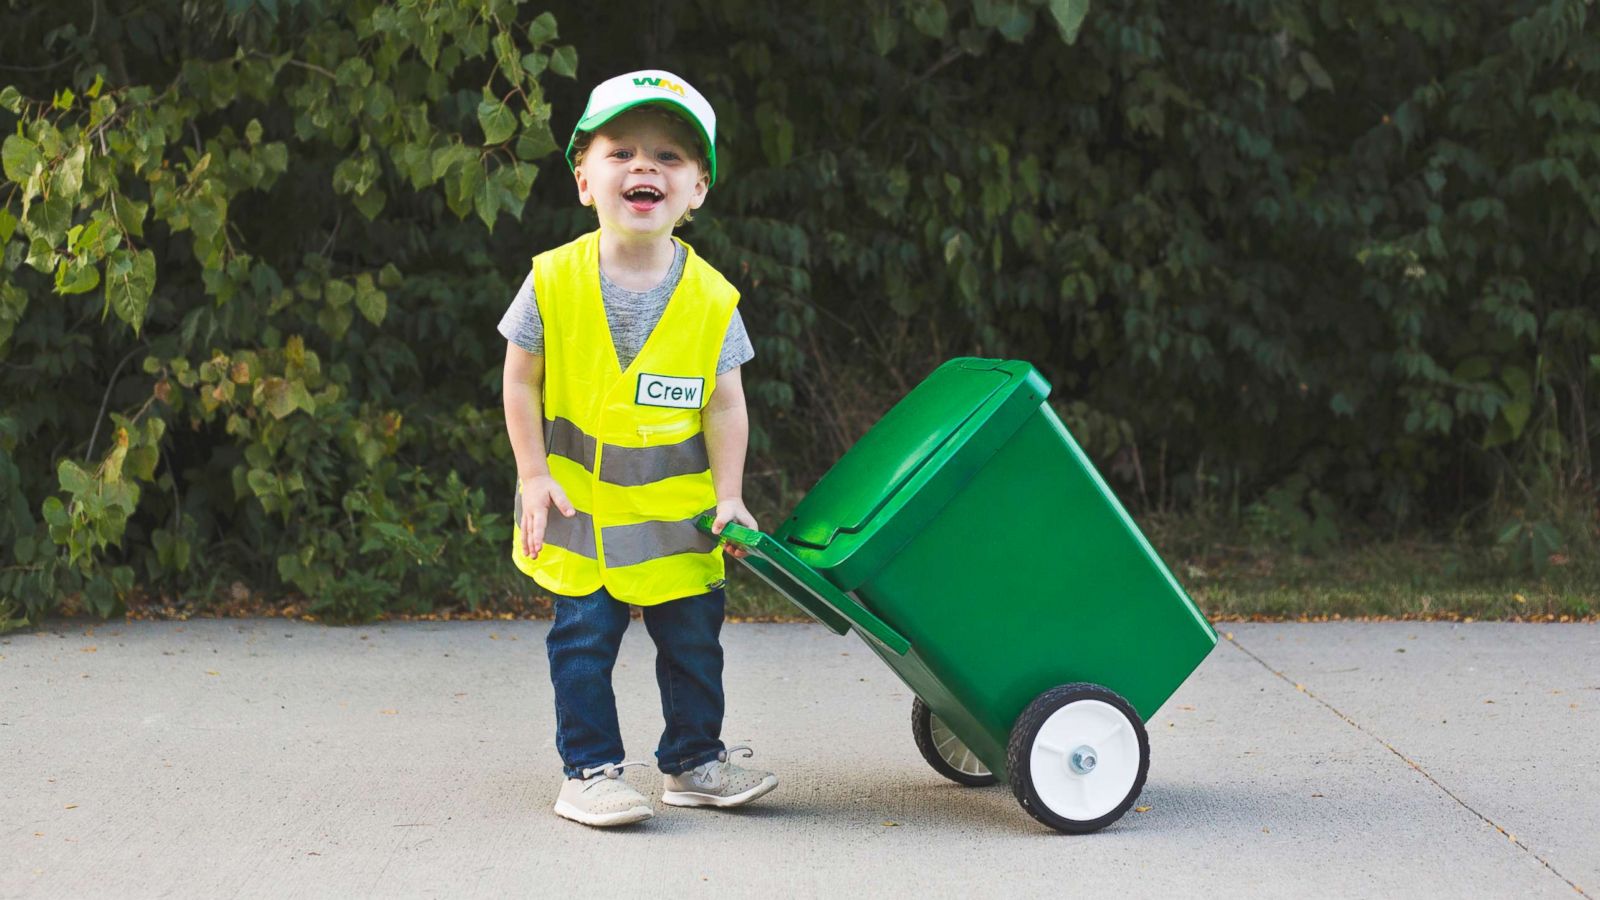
{"x": 806, "y": 587}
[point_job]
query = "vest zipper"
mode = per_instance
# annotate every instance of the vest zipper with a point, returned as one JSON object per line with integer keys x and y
{"x": 646, "y": 432}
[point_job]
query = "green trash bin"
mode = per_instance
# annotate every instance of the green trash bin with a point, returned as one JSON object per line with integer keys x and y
{"x": 976, "y": 550}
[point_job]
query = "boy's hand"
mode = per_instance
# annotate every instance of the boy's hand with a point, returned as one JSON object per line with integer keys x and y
{"x": 732, "y": 510}
{"x": 539, "y": 493}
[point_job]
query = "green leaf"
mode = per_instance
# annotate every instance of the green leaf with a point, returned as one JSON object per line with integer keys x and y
{"x": 374, "y": 305}
{"x": 564, "y": 61}
{"x": 11, "y": 99}
{"x": 486, "y": 202}
{"x": 335, "y": 321}
{"x": 49, "y": 219}
{"x": 20, "y": 157}
{"x": 41, "y": 255}
{"x": 338, "y": 293}
{"x": 141, "y": 462}
{"x": 130, "y": 279}
{"x": 8, "y": 225}
{"x": 1315, "y": 71}
{"x": 536, "y": 141}
{"x": 777, "y": 135}
{"x": 73, "y": 478}
{"x": 262, "y": 483}
{"x": 371, "y": 203}
{"x": 542, "y": 29}
{"x": 1516, "y": 415}
{"x": 389, "y": 276}
{"x": 505, "y": 52}
{"x": 76, "y": 278}
{"x": 497, "y": 120}
{"x": 68, "y": 179}
{"x": 930, "y": 17}
{"x": 207, "y": 213}
{"x": 55, "y": 512}
{"x": 1069, "y": 16}
{"x": 1517, "y": 381}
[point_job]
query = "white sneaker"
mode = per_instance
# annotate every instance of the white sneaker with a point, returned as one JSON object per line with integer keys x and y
{"x": 717, "y": 783}
{"x": 602, "y": 798}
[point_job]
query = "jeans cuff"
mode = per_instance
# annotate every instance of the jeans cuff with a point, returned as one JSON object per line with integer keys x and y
{"x": 702, "y": 760}
{"x": 577, "y": 772}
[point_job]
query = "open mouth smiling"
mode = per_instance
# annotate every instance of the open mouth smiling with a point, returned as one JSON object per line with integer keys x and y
{"x": 643, "y": 195}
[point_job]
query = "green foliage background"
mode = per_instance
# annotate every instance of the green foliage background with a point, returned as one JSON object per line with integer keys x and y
{"x": 1320, "y": 269}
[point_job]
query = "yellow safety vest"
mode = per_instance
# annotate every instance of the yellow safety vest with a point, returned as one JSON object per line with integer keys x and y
{"x": 626, "y": 445}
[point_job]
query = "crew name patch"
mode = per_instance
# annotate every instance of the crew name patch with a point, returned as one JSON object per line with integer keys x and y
{"x": 664, "y": 390}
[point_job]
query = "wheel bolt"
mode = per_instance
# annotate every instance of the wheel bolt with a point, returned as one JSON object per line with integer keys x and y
{"x": 1083, "y": 760}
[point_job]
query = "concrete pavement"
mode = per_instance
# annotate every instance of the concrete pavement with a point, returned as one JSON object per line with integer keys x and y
{"x": 269, "y": 758}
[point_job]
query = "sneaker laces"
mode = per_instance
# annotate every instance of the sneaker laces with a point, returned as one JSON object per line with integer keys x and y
{"x": 611, "y": 770}
{"x": 722, "y": 757}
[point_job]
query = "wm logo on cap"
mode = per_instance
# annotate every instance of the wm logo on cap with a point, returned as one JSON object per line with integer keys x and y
{"x": 662, "y": 83}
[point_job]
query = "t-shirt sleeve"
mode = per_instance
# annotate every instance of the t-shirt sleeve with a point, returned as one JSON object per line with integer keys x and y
{"x": 736, "y": 349}
{"x": 521, "y": 324}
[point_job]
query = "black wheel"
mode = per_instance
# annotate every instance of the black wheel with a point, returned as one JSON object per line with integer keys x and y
{"x": 944, "y": 751}
{"x": 1078, "y": 757}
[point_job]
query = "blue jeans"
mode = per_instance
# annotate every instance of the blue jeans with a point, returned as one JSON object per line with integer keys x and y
{"x": 582, "y": 646}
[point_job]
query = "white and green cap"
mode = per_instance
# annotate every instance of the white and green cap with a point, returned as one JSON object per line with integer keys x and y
{"x": 615, "y": 96}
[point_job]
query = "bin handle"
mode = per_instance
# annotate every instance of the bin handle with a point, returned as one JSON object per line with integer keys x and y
{"x": 842, "y": 607}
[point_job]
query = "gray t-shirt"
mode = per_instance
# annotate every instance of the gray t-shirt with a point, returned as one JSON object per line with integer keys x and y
{"x": 632, "y": 315}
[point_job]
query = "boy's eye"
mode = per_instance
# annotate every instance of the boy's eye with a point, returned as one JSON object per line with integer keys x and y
{"x": 668, "y": 154}
{"x": 622, "y": 154}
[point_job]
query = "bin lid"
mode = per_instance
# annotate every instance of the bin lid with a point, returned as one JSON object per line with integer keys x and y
{"x": 962, "y": 400}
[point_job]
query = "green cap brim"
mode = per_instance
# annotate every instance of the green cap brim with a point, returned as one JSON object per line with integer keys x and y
{"x": 593, "y": 119}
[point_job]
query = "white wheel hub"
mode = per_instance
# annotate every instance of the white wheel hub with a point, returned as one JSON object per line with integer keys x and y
{"x": 1084, "y": 760}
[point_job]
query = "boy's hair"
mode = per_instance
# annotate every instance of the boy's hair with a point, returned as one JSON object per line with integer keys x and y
{"x": 582, "y": 140}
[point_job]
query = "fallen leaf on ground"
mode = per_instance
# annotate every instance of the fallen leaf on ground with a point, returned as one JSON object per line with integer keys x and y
{"x": 1141, "y": 809}
{"x": 72, "y": 806}
{"x": 88, "y": 649}
{"x": 212, "y": 672}
{"x": 390, "y": 712}
{"x": 891, "y": 824}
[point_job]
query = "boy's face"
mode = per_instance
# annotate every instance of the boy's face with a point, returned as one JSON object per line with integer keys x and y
{"x": 640, "y": 173}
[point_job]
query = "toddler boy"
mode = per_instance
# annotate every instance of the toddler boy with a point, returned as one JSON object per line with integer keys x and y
{"x": 626, "y": 414}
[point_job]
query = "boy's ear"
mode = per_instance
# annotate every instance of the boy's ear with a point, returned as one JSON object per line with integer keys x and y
{"x": 584, "y": 197}
{"x": 702, "y": 186}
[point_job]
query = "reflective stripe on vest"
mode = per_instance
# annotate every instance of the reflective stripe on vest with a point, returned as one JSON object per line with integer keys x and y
{"x": 562, "y": 438}
{"x": 628, "y": 466}
{"x": 575, "y": 535}
{"x": 629, "y": 545}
